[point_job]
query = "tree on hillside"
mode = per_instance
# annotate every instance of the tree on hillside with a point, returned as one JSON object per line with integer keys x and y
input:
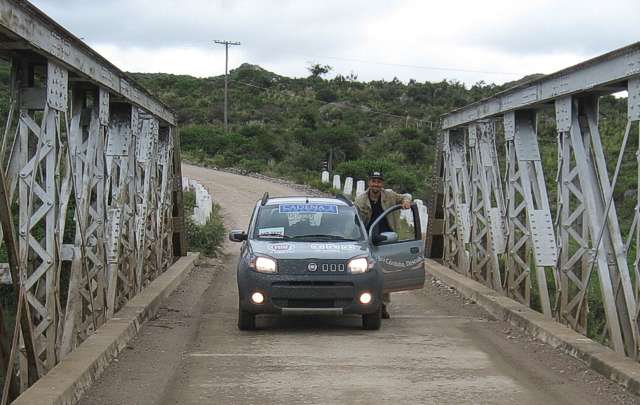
{"x": 318, "y": 70}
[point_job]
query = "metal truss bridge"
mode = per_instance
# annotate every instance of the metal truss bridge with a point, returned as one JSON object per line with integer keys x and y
{"x": 90, "y": 189}
{"x": 492, "y": 217}
{"x": 91, "y": 196}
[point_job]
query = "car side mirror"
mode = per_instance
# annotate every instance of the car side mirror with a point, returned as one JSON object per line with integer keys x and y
{"x": 384, "y": 238}
{"x": 237, "y": 236}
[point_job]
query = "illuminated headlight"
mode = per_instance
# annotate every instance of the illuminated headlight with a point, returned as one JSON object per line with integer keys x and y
{"x": 257, "y": 298}
{"x": 265, "y": 265}
{"x": 365, "y": 298}
{"x": 359, "y": 265}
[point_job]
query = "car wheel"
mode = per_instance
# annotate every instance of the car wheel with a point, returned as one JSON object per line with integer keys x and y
{"x": 246, "y": 320}
{"x": 372, "y": 321}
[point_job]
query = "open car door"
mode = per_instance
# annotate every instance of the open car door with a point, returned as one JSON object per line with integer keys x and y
{"x": 400, "y": 253}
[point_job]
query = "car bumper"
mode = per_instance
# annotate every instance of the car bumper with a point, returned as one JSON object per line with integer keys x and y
{"x": 310, "y": 294}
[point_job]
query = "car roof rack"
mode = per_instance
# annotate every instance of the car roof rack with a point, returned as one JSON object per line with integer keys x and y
{"x": 342, "y": 197}
{"x": 265, "y": 198}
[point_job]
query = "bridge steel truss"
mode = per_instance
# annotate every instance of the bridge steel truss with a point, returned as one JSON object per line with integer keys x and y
{"x": 90, "y": 192}
{"x": 517, "y": 242}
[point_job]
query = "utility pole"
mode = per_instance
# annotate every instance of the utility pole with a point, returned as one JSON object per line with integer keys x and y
{"x": 226, "y": 68}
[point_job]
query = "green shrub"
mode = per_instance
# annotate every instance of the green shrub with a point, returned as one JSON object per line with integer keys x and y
{"x": 206, "y": 238}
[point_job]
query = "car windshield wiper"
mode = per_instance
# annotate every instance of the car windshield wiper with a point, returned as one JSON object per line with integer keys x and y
{"x": 324, "y": 236}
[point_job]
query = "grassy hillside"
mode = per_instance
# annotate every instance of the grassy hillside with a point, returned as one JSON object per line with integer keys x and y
{"x": 287, "y": 127}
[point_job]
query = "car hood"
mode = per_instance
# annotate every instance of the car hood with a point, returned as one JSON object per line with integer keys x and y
{"x": 309, "y": 250}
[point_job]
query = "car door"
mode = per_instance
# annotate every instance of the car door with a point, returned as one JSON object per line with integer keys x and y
{"x": 402, "y": 259}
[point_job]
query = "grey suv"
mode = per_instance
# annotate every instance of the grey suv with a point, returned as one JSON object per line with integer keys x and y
{"x": 307, "y": 256}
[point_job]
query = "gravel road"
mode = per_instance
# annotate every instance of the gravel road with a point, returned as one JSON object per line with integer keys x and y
{"x": 437, "y": 348}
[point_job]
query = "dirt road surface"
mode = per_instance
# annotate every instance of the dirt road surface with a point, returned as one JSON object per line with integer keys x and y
{"x": 436, "y": 349}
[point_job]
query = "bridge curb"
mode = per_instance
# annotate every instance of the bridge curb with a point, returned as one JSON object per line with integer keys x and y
{"x": 66, "y": 383}
{"x": 600, "y": 358}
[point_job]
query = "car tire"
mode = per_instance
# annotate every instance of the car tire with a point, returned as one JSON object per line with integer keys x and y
{"x": 372, "y": 321}
{"x": 246, "y": 320}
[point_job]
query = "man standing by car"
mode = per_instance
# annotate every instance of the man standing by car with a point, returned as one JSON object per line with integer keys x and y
{"x": 372, "y": 203}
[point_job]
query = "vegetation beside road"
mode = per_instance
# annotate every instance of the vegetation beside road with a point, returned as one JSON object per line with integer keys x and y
{"x": 206, "y": 238}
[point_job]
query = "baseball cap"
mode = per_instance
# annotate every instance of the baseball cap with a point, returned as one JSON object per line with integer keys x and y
{"x": 376, "y": 175}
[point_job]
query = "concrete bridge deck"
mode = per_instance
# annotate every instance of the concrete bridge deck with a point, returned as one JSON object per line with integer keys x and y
{"x": 437, "y": 348}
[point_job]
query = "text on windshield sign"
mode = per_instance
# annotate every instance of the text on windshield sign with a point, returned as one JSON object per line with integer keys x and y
{"x": 308, "y": 208}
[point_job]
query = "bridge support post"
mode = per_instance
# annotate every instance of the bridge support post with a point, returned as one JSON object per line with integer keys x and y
{"x": 633, "y": 114}
{"x": 529, "y": 216}
{"x": 487, "y": 207}
{"x": 120, "y": 239}
{"x": 164, "y": 212}
{"x": 591, "y": 239}
{"x": 457, "y": 202}
{"x": 179, "y": 238}
{"x": 86, "y": 300}
{"x": 146, "y": 199}
{"x": 434, "y": 243}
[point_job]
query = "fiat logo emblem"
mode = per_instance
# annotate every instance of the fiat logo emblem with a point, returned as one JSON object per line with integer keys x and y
{"x": 312, "y": 267}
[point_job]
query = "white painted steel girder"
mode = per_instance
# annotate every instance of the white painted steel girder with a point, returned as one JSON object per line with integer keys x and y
{"x": 611, "y": 68}
{"x": 531, "y": 233}
{"x": 45, "y": 36}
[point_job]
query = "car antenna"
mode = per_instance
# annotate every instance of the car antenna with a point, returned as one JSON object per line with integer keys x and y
{"x": 265, "y": 198}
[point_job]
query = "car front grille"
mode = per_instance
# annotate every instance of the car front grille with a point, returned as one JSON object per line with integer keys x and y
{"x": 312, "y": 266}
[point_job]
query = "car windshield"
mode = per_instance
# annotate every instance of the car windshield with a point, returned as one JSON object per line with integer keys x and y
{"x": 308, "y": 222}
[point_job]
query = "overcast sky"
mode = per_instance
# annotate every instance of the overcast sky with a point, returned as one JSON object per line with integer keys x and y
{"x": 491, "y": 40}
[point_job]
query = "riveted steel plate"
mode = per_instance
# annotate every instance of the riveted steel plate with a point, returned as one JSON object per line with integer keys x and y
{"x": 445, "y": 140}
{"x": 59, "y": 46}
{"x": 633, "y": 100}
{"x": 543, "y": 238}
{"x": 103, "y": 106}
{"x": 119, "y": 139}
{"x": 115, "y": 216}
{"x": 509, "y": 122}
{"x": 559, "y": 85}
{"x": 497, "y": 228}
{"x": 57, "y": 86}
{"x": 486, "y": 152}
{"x": 146, "y": 145}
{"x": 463, "y": 214}
{"x": 563, "y": 114}
{"x": 472, "y": 135}
{"x": 457, "y": 156}
{"x": 163, "y": 152}
{"x": 526, "y": 142}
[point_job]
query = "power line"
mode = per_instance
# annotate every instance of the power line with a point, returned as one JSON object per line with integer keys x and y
{"x": 226, "y": 69}
{"x": 440, "y": 68}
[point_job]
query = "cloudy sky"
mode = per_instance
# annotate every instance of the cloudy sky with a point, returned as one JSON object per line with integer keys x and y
{"x": 491, "y": 40}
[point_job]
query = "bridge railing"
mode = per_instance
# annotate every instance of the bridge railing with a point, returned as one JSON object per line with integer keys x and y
{"x": 90, "y": 191}
{"x": 491, "y": 218}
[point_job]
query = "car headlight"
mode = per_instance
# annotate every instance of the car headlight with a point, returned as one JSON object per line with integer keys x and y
{"x": 265, "y": 265}
{"x": 360, "y": 265}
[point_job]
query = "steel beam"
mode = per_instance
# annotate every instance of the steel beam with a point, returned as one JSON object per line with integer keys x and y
{"x": 39, "y": 32}
{"x": 611, "y": 68}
